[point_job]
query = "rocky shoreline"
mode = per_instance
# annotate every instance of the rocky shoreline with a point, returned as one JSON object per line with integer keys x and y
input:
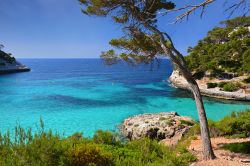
{"x": 14, "y": 67}
{"x": 178, "y": 81}
{"x": 169, "y": 127}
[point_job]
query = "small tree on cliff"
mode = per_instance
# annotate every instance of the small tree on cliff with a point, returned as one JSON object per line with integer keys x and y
{"x": 143, "y": 41}
{"x": 1, "y": 47}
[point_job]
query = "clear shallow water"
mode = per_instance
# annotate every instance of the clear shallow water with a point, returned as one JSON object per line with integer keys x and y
{"x": 83, "y": 95}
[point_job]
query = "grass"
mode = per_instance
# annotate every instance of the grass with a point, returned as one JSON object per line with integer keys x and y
{"x": 243, "y": 147}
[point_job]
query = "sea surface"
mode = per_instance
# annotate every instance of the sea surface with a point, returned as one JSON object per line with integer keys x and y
{"x": 84, "y": 95}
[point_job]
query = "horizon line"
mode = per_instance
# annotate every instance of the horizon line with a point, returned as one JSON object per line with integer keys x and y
{"x": 68, "y": 58}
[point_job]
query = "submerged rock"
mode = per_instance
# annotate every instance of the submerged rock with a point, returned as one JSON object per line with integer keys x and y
{"x": 156, "y": 126}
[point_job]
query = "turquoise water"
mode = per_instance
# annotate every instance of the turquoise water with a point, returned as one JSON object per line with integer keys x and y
{"x": 83, "y": 95}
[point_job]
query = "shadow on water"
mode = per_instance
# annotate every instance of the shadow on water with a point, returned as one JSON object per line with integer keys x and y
{"x": 161, "y": 90}
{"x": 211, "y": 100}
{"x": 116, "y": 101}
{"x": 180, "y": 93}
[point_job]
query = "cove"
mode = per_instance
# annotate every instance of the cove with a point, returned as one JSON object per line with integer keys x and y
{"x": 84, "y": 95}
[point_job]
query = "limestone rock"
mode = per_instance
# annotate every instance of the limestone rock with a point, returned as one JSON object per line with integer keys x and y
{"x": 178, "y": 81}
{"x": 156, "y": 126}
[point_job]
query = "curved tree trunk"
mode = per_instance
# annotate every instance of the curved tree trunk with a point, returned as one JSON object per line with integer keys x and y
{"x": 177, "y": 58}
{"x": 205, "y": 136}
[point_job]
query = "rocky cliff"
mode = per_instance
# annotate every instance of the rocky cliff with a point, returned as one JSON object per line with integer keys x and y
{"x": 9, "y": 64}
{"x": 178, "y": 81}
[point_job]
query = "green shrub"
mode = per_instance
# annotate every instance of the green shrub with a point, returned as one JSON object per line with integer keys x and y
{"x": 231, "y": 87}
{"x": 153, "y": 153}
{"x": 243, "y": 147}
{"x": 221, "y": 84}
{"x": 27, "y": 149}
{"x": 236, "y": 125}
{"x": 90, "y": 154}
{"x": 105, "y": 137}
{"x": 214, "y": 130}
{"x": 211, "y": 85}
{"x": 247, "y": 80}
{"x": 46, "y": 148}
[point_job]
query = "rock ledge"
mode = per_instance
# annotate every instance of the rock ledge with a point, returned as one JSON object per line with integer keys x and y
{"x": 178, "y": 81}
{"x": 169, "y": 126}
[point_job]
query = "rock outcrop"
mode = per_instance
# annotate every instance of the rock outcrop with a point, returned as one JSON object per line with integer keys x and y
{"x": 178, "y": 81}
{"x": 9, "y": 64}
{"x": 169, "y": 126}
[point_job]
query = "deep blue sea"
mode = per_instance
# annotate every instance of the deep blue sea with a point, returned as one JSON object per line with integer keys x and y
{"x": 84, "y": 95}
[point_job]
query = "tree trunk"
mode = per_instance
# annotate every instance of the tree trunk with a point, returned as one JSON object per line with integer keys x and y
{"x": 179, "y": 61}
{"x": 208, "y": 153}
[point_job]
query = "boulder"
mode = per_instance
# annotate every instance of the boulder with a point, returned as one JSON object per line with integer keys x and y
{"x": 158, "y": 126}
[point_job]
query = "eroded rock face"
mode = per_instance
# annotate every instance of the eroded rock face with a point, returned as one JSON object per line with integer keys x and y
{"x": 156, "y": 126}
{"x": 178, "y": 81}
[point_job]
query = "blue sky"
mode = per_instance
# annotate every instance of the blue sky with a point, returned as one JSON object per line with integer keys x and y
{"x": 58, "y": 29}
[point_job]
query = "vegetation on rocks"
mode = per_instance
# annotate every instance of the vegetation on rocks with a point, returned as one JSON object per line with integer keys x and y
{"x": 224, "y": 49}
{"x": 225, "y": 86}
{"x": 221, "y": 84}
{"x": 231, "y": 86}
{"x": 5, "y": 56}
{"x": 211, "y": 85}
{"x": 247, "y": 80}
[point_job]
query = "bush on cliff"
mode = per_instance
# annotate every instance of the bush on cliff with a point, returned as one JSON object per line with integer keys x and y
{"x": 247, "y": 80}
{"x": 211, "y": 85}
{"x": 7, "y": 57}
{"x": 221, "y": 84}
{"x": 231, "y": 87}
